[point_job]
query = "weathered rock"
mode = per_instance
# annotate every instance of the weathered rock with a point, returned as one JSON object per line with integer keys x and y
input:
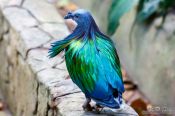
{"x": 32, "y": 38}
{"x": 39, "y": 62}
{"x": 50, "y": 75}
{"x": 56, "y": 30}
{"x": 9, "y": 3}
{"x": 14, "y": 14}
{"x": 15, "y": 2}
{"x": 19, "y": 54}
{"x": 3, "y": 3}
{"x": 41, "y": 9}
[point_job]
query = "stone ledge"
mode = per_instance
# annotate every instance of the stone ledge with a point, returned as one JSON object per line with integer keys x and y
{"x": 32, "y": 83}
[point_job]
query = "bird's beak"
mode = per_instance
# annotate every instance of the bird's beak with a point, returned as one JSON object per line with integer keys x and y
{"x": 69, "y": 16}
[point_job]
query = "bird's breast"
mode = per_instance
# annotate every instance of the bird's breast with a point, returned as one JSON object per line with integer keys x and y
{"x": 81, "y": 50}
{"x": 80, "y": 62}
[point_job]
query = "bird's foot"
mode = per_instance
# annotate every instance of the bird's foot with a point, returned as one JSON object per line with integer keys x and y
{"x": 97, "y": 108}
{"x": 86, "y": 106}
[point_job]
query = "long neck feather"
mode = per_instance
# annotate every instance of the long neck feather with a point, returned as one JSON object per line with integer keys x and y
{"x": 58, "y": 46}
{"x": 87, "y": 31}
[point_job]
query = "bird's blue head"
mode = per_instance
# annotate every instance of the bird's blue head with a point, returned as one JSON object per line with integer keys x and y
{"x": 83, "y": 19}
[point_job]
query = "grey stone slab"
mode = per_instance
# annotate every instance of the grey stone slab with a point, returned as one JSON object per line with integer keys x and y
{"x": 43, "y": 11}
{"x": 50, "y": 76}
{"x": 71, "y": 105}
{"x": 32, "y": 38}
{"x": 19, "y": 18}
{"x": 39, "y": 60}
{"x": 62, "y": 88}
{"x": 27, "y": 86}
{"x": 43, "y": 99}
{"x": 57, "y": 30}
{"x": 61, "y": 66}
{"x": 48, "y": 44}
{"x": 3, "y": 3}
{"x": 15, "y": 2}
{"x": 7, "y": 3}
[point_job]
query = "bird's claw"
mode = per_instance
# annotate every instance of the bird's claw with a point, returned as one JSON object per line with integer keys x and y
{"x": 87, "y": 107}
{"x": 97, "y": 108}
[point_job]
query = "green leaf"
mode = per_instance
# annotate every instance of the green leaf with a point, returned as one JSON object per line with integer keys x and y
{"x": 148, "y": 7}
{"x": 117, "y": 10}
{"x": 167, "y": 4}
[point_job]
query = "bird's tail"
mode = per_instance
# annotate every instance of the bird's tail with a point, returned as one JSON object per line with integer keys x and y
{"x": 111, "y": 102}
{"x": 120, "y": 100}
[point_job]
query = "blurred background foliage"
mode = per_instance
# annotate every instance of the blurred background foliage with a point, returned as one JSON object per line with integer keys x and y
{"x": 117, "y": 10}
{"x": 147, "y": 11}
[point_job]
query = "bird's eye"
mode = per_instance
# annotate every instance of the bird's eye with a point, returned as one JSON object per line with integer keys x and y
{"x": 76, "y": 16}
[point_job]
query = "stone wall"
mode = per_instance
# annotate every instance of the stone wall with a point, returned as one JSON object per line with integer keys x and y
{"x": 27, "y": 76}
{"x": 33, "y": 84}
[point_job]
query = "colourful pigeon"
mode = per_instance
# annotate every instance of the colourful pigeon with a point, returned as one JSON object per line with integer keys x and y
{"x": 92, "y": 62}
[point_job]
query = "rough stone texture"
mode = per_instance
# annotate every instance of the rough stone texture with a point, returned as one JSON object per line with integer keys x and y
{"x": 33, "y": 84}
{"x": 16, "y": 13}
{"x": 41, "y": 9}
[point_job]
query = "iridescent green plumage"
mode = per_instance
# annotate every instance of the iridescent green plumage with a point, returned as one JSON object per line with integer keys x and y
{"x": 85, "y": 65}
{"x": 148, "y": 10}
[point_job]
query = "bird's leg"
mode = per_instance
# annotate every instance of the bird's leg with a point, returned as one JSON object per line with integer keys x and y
{"x": 98, "y": 108}
{"x": 86, "y": 106}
